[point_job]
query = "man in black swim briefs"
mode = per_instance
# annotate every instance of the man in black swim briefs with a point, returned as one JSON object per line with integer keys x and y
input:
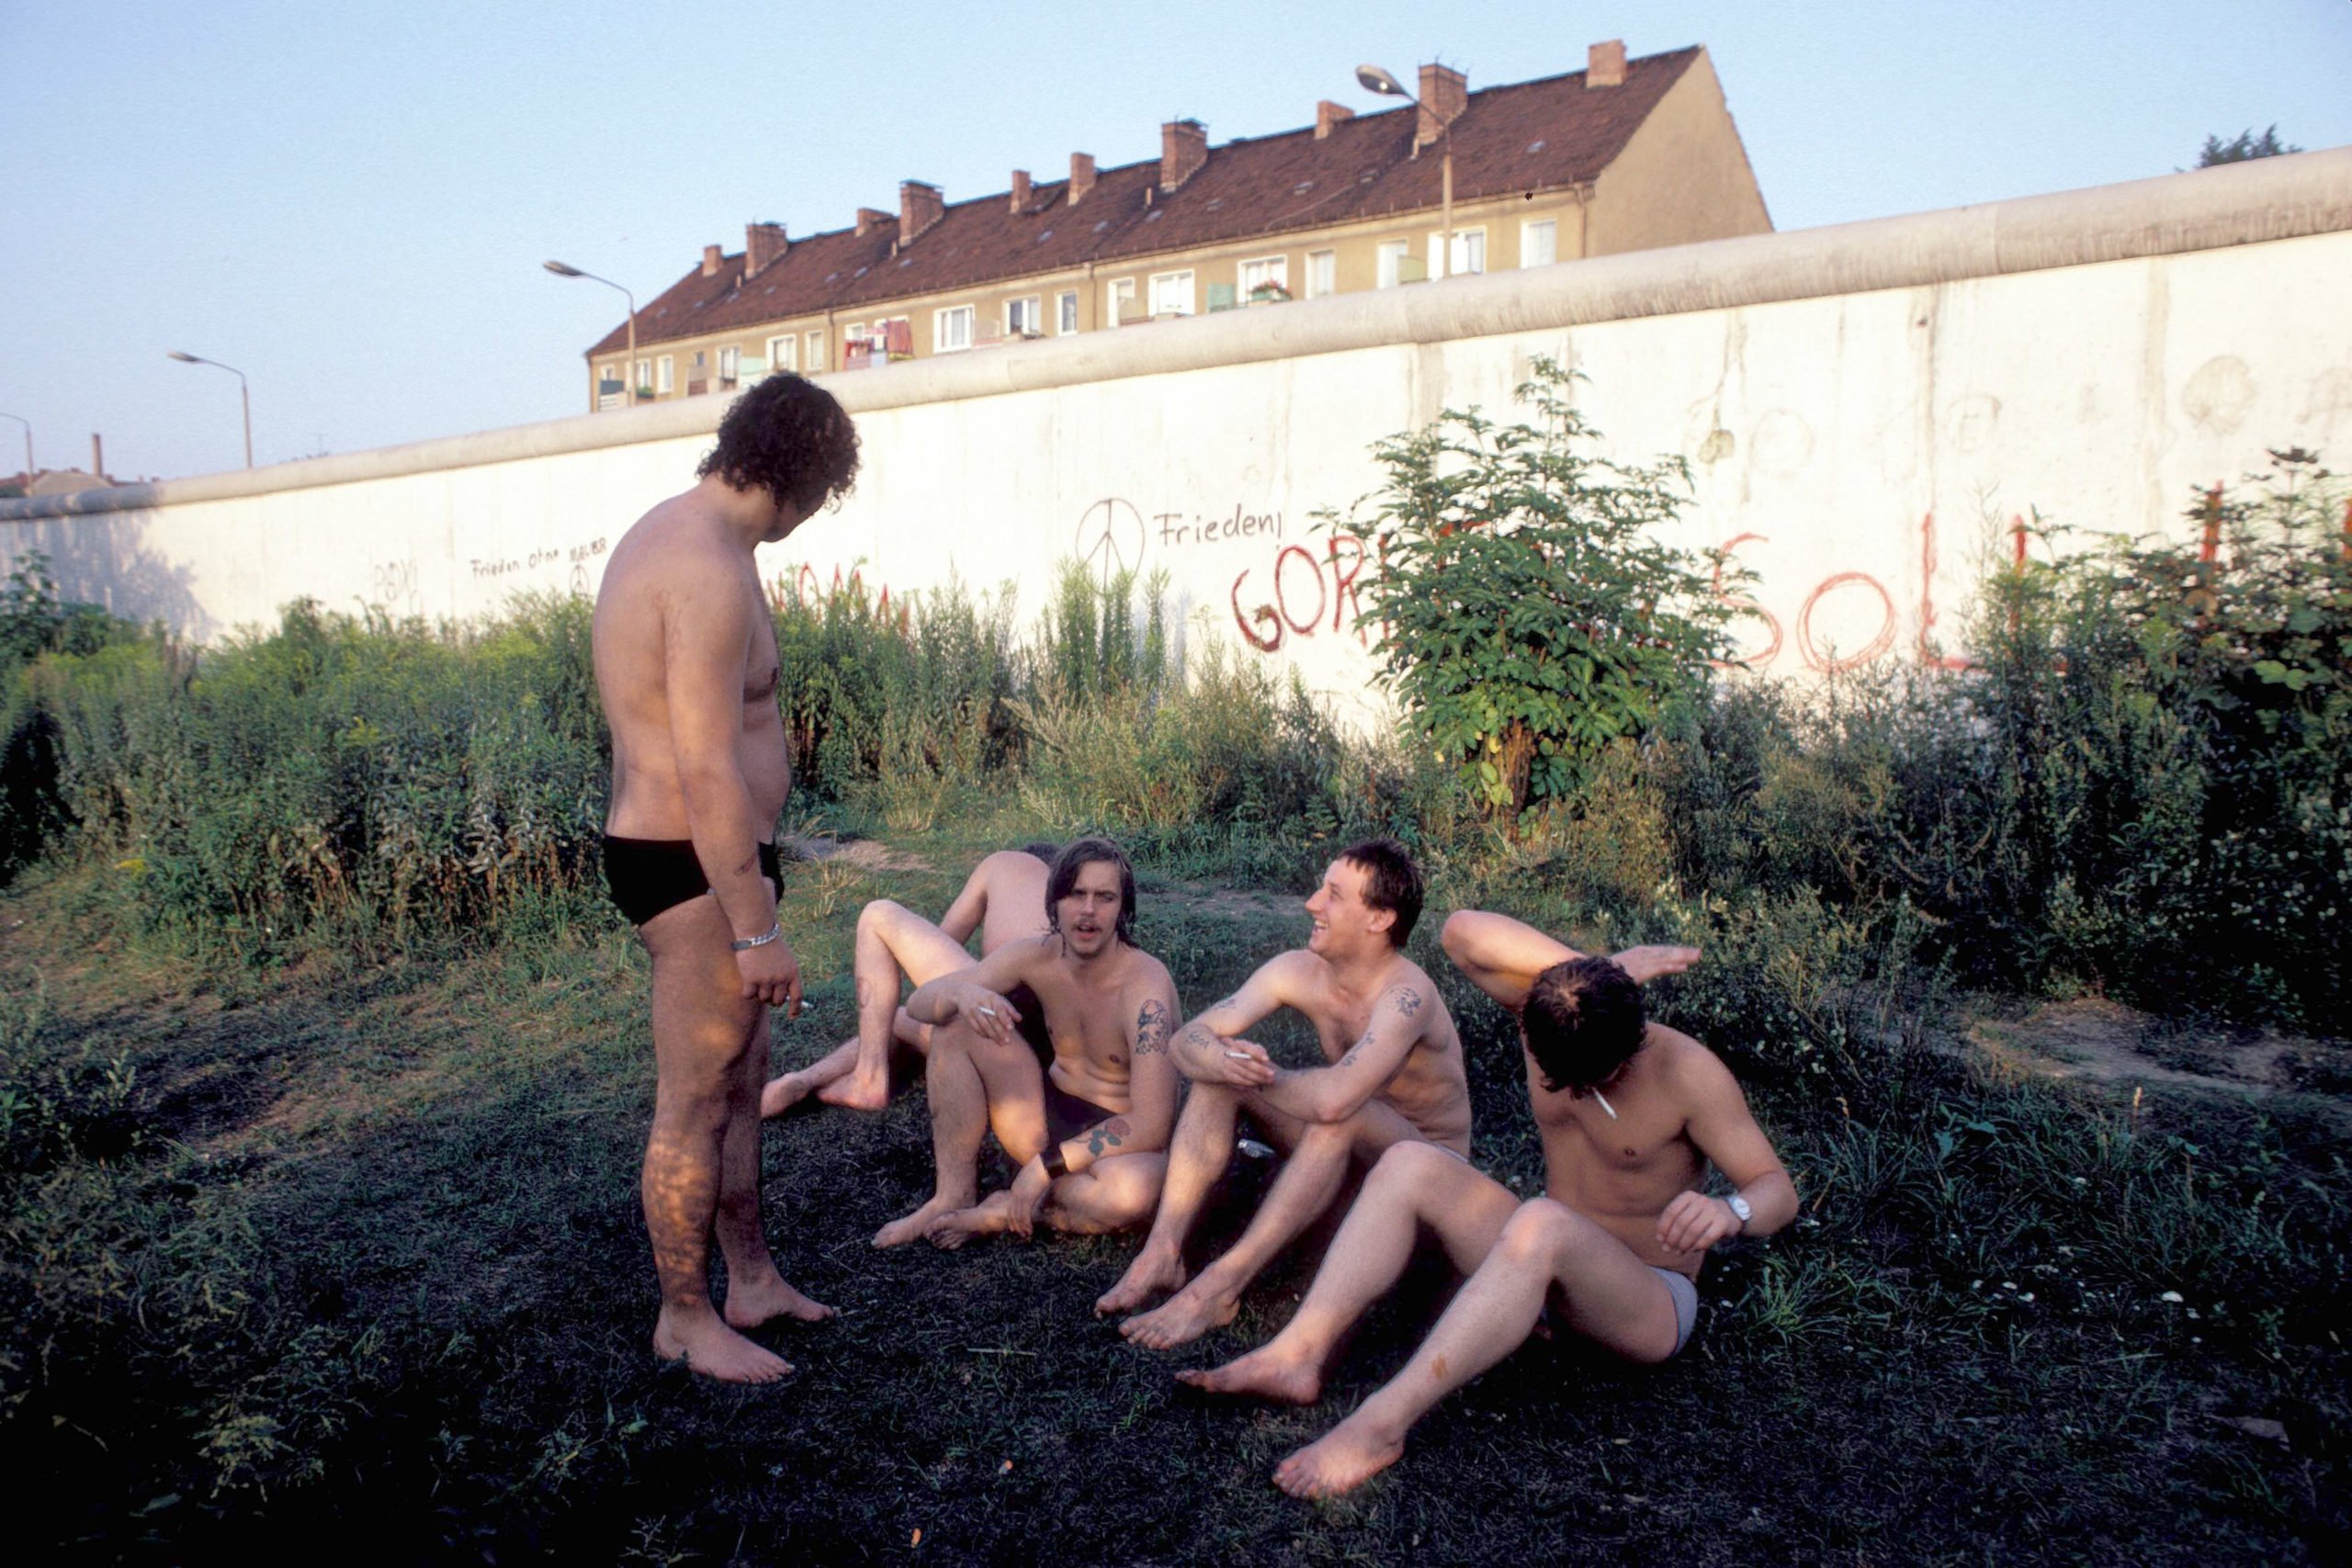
{"x": 686, "y": 666}
{"x": 1090, "y": 1131}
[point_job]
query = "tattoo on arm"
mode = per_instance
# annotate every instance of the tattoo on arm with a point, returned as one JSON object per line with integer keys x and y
{"x": 1408, "y": 1000}
{"x": 1110, "y": 1134}
{"x": 1356, "y": 1050}
{"x": 1151, "y": 1028}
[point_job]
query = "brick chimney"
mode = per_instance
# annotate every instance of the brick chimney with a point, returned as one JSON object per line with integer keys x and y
{"x": 1082, "y": 176}
{"x": 1604, "y": 65}
{"x": 1183, "y": 148}
{"x": 919, "y": 207}
{"x": 710, "y": 254}
{"x": 1020, "y": 192}
{"x": 868, "y": 216}
{"x": 1444, "y": 94}
{"x": 1328, "y": 114}
{"x": 763, "y": 244}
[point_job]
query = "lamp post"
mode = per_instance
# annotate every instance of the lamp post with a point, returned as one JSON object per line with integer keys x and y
{"x": 563, "y": 269}
{"x": 245, "y": 394}
{"x": 1374, "y": 80}
{"x": 20, "y": 418}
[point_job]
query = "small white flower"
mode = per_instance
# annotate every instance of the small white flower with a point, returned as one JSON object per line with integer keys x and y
{"x": 2027, "y": 1297}
{"x": 2169, "y": 1296}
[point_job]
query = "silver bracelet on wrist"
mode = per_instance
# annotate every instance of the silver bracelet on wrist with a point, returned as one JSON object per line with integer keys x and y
{"x": 745, "y": 943}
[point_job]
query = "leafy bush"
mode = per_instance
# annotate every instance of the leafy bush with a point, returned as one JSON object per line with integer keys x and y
{"x": 1529, "y": 615}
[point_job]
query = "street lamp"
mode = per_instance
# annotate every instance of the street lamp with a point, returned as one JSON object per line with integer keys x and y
{"x": 563, "y": 269}
{"x": 1374, "y": 80}
{"x": 20, "y": 418}
{"x": 245, "y": 394}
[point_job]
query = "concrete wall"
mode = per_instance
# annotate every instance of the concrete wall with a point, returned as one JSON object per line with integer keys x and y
{"x": 1863, "y": 408}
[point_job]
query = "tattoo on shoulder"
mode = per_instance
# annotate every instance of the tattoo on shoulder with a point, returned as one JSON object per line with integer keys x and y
{"x": 1151, "y": 1028}
{"x": 1409, "y": 1000}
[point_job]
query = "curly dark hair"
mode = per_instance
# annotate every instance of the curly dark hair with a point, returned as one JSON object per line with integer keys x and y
{"x": 1583, "y": 1022}
{"x": 787, "y": 436}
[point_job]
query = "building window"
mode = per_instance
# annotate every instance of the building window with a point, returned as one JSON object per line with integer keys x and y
{"x": 1392, "y": 262}
{"x": 1265, "y": 278}
{"x": 1539, "y": 243}
{"x": 1025, "y": 318}
{"x": 665, "y": 376}
{"x": 1322, "y": 274}
{"x": 730, "y": 366}
{"x": 783, "y": 353}
{"x": 644, "y": 382}
{"x": 1123, "y": 301}
{"x": 815, "y": 359}
{"x": 1065, "y": 310}
{"x": 1172, "y": 293}
{"x": 1469, "y": 252}
{"x": 951, "y": 328}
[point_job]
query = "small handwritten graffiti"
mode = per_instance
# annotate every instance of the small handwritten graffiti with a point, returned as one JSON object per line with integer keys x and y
{"x": 494, "y": 568}
{"x": 1304, "y": 588}
{"x": 393, "y": 584}
{"x": 1238, "y": 524}
{"x": 1110, "y": 537}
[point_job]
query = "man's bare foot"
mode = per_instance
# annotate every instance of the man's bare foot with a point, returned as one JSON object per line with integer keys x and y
{"x": 1340, "y": 1460}
{"x": 1151, "y": 1273}
{"x": 911, "y": 1227}
{"x": 1267, "y": 1373}
{"x": 783, "y": 1093}
{"x": 952, "y": 1229}
{"x": 859, "y": 1090}
{"x": 1185, "y": 1317}
{"x": 707, "y": 1345}
{"x": 755, "y": 1301}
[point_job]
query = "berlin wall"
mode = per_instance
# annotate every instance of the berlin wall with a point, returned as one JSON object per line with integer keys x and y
{"x": 1864, "y": 408}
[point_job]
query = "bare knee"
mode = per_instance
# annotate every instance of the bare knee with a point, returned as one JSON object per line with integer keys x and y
{"x": 1546, "y": 1234}
{"x": 880, "y": 915}
{"x": 1412, "y": 1165}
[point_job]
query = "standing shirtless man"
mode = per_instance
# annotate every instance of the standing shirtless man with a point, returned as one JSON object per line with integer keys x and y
{"x": 1003, "y": 899}
{"x": 1395, "y": 1074}
{"x": 1631, "y": 1115}
{"x": 1088, "y": 1132}
{"x": 686, "y": 666}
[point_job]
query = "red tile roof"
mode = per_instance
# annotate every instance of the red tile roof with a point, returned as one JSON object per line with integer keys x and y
{"x": 1542, "y": 135}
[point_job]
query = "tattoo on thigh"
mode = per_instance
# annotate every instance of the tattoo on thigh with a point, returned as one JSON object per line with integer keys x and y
{"x": 1151, "y": 1028}
{"x": 1102, "y": 1134}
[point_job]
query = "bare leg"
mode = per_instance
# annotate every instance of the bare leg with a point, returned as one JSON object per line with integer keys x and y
{"x": 1413, "y": 1185}
{"x": 703, "y": 1035}
{"x": 892, "y": 942}
{"x": 1310, "y": 1179}
{"x": 756, "y": 1293}
{"x": 789, "y": 1089}
{"x": 1109, "y": 1195}
{"x": 1196, "y": 1156}
{"x": 1611, "y": 1295}
{"x": 959, "y": 1119}
{"x": 1013, "y": 1087}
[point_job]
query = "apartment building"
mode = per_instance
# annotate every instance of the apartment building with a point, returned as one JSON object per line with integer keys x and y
{"x": 1623, "y": 155}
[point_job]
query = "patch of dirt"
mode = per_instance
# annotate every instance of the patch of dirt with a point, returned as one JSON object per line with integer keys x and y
{"x": 2105, "y": 1042}
{"x": 865, "y": 854}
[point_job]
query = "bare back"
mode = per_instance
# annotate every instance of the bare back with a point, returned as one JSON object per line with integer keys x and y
{"x": 675, "y": 570}
{"x": 1013, "y": 884}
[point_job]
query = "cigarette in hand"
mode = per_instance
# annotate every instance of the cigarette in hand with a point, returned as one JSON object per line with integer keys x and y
{"x": 1241, "y": 1055}
{"x": 988, "y": 1013}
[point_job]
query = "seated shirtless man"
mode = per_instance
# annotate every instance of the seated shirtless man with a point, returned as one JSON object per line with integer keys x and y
{"x": 1631, "y": 1114}
{"x": 1004, "y": 898}
{"x": 1395, "y": 1074}
{"x": 1088, "y": 1132}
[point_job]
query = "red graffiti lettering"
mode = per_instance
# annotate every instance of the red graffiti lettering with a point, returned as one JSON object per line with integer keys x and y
{"x": 1929, "y": 656}
{"x": 1343, "y": 581}
{"x": 1747, "y": 606}
{"x": 1304, "y": 627}
{"x": 1828, "y": 663}
{"x": 1262, "y": 616}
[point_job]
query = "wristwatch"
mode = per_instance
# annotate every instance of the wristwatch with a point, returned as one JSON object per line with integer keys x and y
{"x": 1740, "y": 1207}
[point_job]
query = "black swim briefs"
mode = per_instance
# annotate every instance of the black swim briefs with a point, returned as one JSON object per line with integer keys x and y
{"x": 647, "y": 876}
{"x": 1067, "y": 1115}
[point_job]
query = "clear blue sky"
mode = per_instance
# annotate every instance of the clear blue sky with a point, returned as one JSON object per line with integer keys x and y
{"x": 350, "y": 201}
